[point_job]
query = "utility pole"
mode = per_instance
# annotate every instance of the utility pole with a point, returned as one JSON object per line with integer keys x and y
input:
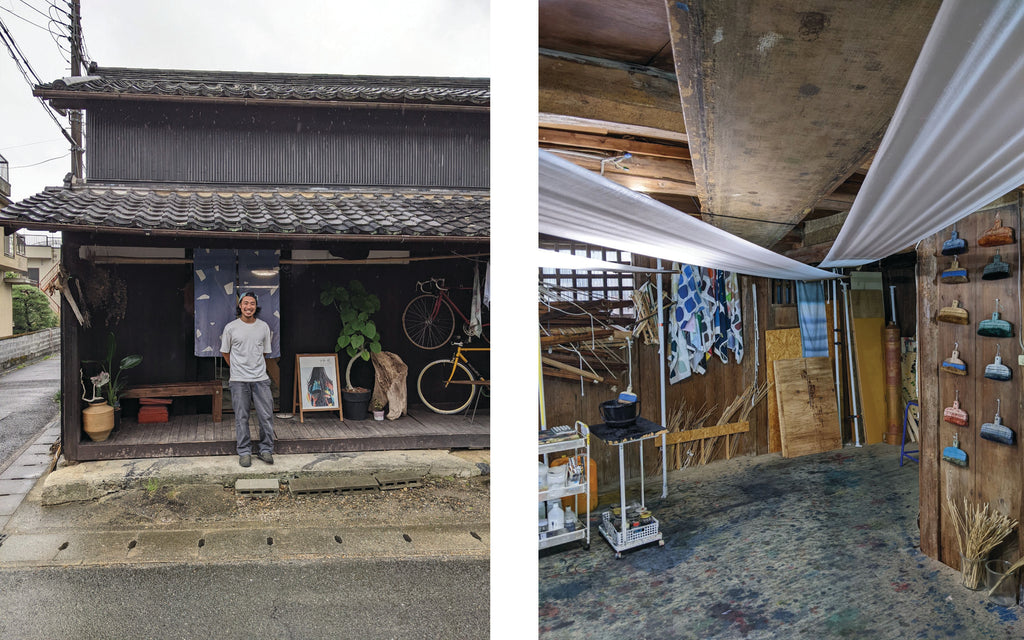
{"x": 76, "y": 70}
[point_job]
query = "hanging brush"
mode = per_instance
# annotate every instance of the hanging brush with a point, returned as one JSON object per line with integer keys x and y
{"x": 954, "y": 364}
{"x": 955, "y": 274}
{"x": 955, "y": 314}
{"x": 955, "y": 454}
{"x": 954, "y": 245}
{"x": 997, "y": 235}
{"x": 997, "y": 431}
{"x": 997, "y": 370}
{"x": 995, "y": 328}
{"x": 996, "y": 270}
{"x": 955, "y": 415}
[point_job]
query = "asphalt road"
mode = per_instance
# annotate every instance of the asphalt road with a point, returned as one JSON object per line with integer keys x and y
{"x": 27, "y": 405}
{"x": 430, "y": 599}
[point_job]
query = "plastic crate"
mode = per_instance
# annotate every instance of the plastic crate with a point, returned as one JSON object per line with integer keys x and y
{"x": 633, "y": 535}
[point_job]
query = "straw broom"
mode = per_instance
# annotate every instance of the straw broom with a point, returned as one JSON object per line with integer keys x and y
{"x": 978, "y": 531}
{"x": 759, "y": 394}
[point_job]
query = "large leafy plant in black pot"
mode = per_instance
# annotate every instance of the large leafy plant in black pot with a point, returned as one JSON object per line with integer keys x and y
{"x": 358, "y": 337}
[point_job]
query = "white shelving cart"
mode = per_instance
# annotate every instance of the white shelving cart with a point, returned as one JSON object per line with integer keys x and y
{"x": 575, "y": 442}
{"x": 627, "y": 530}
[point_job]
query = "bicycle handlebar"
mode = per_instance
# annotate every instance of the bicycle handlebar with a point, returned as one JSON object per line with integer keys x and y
{"x": 437, "y": 282}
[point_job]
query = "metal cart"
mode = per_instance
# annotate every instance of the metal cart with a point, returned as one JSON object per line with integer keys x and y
{"x": 578, "y": 445}
{"x": 632, "y": 532}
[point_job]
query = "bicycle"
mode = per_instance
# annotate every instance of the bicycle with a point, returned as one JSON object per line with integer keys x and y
{"x": 429, "y": 318}
{"x": 449, "y": 386}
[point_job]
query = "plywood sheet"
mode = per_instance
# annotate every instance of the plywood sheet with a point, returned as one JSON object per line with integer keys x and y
{"x": 806, "y": 394}
{"x": 781, "y": 344}
{"x": 871, "y": 376}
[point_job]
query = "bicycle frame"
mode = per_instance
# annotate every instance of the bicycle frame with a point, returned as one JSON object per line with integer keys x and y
{"x": 458, "y": 357}
{"x": 442, "y": 297}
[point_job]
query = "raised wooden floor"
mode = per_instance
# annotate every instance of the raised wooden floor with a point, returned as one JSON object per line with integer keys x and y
{"x": 199, "y": 435}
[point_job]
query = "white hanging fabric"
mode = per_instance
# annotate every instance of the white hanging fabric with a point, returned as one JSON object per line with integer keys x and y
{"x": 578, "y": 204}
{"x": 956, "y": 140}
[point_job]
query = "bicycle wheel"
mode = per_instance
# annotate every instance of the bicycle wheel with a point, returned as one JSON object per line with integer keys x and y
{"x": 442, "y": 396}
{"x": 424, "y": 327}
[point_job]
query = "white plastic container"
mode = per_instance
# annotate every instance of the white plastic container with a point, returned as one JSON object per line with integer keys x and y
{"x": 542, "y": 476}
{"x": 556, "y": 517}
{"x": 556, "y": 477}
{"x": 570, "y": 519}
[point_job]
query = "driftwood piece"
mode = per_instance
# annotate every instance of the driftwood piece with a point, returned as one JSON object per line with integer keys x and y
{"x": 389, "y": 383}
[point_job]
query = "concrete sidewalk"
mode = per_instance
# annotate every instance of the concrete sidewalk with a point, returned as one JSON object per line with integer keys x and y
{"x": 91, "y": 480}
{"x": 25, "y": 470}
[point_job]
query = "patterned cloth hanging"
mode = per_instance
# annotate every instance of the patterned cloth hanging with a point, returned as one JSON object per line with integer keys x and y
{"x": 679, "y": 355}
{"x": 721, "y": 347}
{"x": 732, "y": 297}
{"x": 694, "y": 315}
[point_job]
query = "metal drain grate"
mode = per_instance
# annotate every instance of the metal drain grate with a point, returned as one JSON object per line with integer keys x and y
{"x": 3, "y": 536}
{"x": 332, "y": 485}
{"x": 399, "y": 480}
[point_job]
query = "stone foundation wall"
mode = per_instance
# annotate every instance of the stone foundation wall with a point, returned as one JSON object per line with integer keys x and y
{"x": 27, "y": 347}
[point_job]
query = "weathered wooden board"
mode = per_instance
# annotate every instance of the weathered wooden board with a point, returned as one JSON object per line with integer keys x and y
{"x": 868, "y": 309}
{"x": 781, "y": 344}
{"x": 806, "y": 394}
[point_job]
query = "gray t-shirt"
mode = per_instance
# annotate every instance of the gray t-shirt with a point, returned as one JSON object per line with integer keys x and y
{"x": 246, "y": 343}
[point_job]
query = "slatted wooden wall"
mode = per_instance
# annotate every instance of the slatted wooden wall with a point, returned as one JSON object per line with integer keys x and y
{"x": 994, "y": 473}
{"x": 565, "y": 402}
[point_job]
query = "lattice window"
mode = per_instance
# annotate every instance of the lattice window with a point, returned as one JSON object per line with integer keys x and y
{"x": 586, "y": 286}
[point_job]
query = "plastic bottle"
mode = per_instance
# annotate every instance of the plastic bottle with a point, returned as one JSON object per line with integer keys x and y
{"x": 570, "y": 519}
{"x": 556, "y": 517}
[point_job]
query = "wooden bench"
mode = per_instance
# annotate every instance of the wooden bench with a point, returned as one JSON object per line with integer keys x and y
{"x": 210, "y": 388}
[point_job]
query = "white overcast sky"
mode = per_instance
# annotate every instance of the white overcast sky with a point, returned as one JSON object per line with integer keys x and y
{"x": 424, "y": 38}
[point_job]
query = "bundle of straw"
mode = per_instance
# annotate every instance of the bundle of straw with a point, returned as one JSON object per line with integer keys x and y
{"x": 978, "y": 531}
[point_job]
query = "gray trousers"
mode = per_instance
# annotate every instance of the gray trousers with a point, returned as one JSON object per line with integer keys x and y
{"x": 260, "y": 396}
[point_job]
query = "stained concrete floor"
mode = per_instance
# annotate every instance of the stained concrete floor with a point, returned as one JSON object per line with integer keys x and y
{"x": 822, "y": 546}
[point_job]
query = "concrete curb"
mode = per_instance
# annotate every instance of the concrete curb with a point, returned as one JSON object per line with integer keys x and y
{"x": 91, "y": 480}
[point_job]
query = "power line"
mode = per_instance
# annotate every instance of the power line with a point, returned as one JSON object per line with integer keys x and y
{"x": 28, "y": 144}
{"x": 37, "y": 26}
{"x": 12, "y": 47}
{"x": 35, "y": 164}
{"x": 34, "y": 9}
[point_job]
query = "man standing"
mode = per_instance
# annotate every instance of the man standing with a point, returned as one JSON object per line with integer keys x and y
{"x": 244, "y": 345}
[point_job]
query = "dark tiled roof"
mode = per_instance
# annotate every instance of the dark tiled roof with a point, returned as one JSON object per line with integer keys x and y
{"x": 426, "y": 214}
{"x": 107, "y": 82}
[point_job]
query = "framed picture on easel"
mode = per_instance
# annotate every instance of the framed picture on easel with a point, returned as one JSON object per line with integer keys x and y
{"x": 316, "y": 384}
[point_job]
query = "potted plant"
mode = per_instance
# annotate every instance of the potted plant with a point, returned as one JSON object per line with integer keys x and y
{"x": 378, "y": 410}
{"x": 104, "y": 411}
{"x": 358, "y": 338}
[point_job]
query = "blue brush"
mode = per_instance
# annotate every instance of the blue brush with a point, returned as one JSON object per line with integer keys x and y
{"x": 955, "y": 454}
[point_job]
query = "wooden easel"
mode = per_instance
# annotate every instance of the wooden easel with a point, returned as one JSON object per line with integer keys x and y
{"x": 297, "y": 392}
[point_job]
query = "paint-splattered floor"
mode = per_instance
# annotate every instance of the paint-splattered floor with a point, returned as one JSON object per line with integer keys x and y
{"x": 823, "y": 546}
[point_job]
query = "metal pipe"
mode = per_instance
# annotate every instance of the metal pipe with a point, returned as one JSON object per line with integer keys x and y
{"x": 836, "y": 344}
{"x": 661, "y": 385}
{"x": 849, "y": 357}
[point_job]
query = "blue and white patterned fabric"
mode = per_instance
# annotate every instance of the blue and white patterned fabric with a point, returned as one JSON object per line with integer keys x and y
{"x": 732, "y": 297}
{"x": 220, "y": 276}
{"x": 810, "y": 307}
{"x": 678, "y": 349}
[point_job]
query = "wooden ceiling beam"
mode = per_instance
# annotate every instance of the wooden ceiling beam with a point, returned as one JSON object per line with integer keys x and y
{"x": 611, "y": 144}
{"x": 648, "y": 174}
{"x": 605, "y": 91}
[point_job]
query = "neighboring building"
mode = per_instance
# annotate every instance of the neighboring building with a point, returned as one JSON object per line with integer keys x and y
{"x": 285, "y": 183}
{"x": 13, "y": 262}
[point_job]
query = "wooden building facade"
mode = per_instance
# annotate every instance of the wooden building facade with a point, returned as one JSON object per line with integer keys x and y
{"x": 339, "y": 178}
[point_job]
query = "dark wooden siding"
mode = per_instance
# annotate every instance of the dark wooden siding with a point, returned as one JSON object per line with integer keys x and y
{"x": 288, "y": 146}
{"x": 158, "y": 323}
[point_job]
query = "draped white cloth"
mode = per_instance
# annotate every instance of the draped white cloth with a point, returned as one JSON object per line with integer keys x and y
{"x": 581, "y": 205}
{"x": 956, "y": 141}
